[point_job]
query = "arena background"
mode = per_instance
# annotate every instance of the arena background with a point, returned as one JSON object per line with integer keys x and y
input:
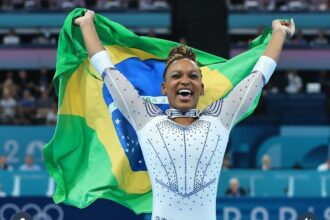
{"x": 290, "y": 128}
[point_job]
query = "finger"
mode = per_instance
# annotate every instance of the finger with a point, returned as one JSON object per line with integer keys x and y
{"x": 285, "y": 23}
{"x": 276, "y": 21}
{"x": 90, "y": 12}
{"x": 77, "y": 21}
{"x": 293, "y": 26}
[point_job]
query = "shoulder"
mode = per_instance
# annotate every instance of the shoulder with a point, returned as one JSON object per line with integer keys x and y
{"x": 214, "y": 109}
{"x": 152, "y": 109}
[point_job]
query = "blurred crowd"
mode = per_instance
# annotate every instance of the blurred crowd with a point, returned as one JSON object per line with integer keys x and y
{"x": 234, "y": 188}
{"x": 302, "y": 39}
{"x": 298, "y": 82}
{"x": 266, "y": 164}
{"x": 295, "y": 82}
{"x": 91, "y": 4}
{"x": 40, "y": 37}
{"x": 27, "y": 98}
{"x": 44, "y": 37}
{"x": 242, "y": 5}
{"x": 28, "y": 164}
{"x": 280, "y": 5}
{"x": 289, "y": 91}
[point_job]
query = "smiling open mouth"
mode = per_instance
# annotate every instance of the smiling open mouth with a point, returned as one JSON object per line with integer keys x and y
{"x": 184, "y": 92}
{"x": 185, "y": 95}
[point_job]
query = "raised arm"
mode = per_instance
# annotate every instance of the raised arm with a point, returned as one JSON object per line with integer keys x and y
{"x": 281, "y": 30}
{"x": 239, "y": 100}
{"x": 135, "y": 109}
{"x": 91, "y": 39}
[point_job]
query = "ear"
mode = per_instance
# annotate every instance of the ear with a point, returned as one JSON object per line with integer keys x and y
{"x": 163, "y": 90}
{"x": 202, "y": 90}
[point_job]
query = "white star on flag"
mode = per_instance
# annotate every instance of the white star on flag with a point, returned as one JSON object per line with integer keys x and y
{"x": 117, "y": 121}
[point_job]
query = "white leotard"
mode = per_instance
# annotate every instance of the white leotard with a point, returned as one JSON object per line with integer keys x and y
{"x": 184, "y": 162}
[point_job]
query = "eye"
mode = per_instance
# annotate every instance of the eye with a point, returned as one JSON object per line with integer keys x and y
{"x": 194, "y": 75}
{"x": 175, "y": 75}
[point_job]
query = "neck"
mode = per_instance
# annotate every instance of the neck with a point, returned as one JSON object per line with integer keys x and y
{"x": 184, "y": 121}
{"x": 183, "y": 117}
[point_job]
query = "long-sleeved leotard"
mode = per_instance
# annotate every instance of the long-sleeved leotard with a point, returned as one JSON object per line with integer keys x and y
{"x": 184, "y": 162}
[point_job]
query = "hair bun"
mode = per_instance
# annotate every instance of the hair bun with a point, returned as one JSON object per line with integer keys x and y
{"x": 180, "y": 52}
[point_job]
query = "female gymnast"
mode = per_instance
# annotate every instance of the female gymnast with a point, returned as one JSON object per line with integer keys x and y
{"x": 184, "y": 148}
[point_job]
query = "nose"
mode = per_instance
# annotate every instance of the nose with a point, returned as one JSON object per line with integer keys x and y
{"x": 185, "y": 83}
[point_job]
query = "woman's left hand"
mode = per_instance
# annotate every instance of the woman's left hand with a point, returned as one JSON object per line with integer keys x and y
{"x": 284, "y": 26}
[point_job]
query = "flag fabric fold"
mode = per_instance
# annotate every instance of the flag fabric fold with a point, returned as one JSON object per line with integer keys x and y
{"x": 94, "y": 152}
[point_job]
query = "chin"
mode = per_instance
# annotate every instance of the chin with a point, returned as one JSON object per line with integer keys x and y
{"x": 184, "y": 106}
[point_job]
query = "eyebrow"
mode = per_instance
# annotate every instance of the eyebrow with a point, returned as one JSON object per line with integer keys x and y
{"x": 197, "y": 70}
{"x": 190, "y": 71}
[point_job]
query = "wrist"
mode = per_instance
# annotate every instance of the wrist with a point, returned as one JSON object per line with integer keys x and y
{"x": 86, "y": 23}
{"x": 280, "y": 32}
{"x": 280, "y": 35}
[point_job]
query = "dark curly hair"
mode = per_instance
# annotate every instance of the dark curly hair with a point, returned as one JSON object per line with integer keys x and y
{"x": 178, "y": 53}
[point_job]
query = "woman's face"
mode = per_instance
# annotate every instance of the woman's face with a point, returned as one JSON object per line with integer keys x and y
{"x": 183, "y": 84}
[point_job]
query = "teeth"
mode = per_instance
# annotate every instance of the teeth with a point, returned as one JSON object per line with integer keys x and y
{"x": 184, "y": 91}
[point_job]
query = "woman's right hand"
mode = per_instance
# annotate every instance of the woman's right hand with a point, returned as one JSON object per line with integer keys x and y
{"x": 87, "y": 18}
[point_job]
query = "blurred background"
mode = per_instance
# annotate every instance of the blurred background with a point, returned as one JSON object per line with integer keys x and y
{"x": 278, "y": 160}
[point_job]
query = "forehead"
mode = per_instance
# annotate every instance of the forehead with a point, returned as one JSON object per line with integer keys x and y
{"x": 184, "y": 64}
